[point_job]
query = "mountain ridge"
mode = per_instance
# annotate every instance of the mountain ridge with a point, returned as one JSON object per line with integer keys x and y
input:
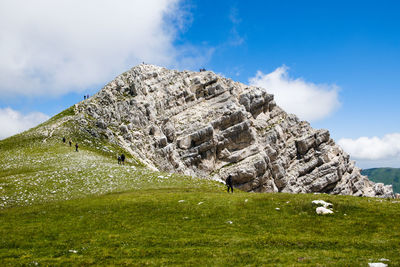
{"x": 201, "y": 124}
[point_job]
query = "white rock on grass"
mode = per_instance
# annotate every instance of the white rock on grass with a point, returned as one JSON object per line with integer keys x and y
{"x": 323, "y": 210}
{"x": 229, "y": 222}
{"x": 377, "y": 264}
{"x": 200, "y": 203}
{"x": 277, "y": 208}
{"x": 181, "y": 201}
{"x": 321, "y": 202}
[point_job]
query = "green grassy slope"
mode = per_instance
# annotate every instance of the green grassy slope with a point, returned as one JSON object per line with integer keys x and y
{"x": 384, "y": 175}
{"x": 60, "y": 207}
{"x": 152, "y": 227}
{"x": 37, "y": 167}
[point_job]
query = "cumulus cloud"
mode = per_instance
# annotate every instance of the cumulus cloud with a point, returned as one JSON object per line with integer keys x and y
{"x": 13, "y": 122}
{"x": 373, "y": 148}
{"x": 55, "y": 47}
{"x": 307, "y": 100}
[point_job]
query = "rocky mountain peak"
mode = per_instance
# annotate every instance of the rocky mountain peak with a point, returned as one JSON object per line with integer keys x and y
{"x": 201, "y": 124}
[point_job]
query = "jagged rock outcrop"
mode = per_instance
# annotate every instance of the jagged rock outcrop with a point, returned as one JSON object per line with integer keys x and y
{"x": 199, "y": 123}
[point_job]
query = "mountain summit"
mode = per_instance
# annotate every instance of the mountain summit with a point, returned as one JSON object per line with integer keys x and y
{"x": 201, "y": 124}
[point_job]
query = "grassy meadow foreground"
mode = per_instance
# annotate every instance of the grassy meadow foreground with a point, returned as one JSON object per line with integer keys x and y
{"x": 60, "y": 207}
{"x": 196, "y": 226}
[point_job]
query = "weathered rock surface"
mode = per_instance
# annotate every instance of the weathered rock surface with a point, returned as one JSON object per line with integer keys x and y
{"x": 323, "y": 210}
{"x": 201, "y": 124}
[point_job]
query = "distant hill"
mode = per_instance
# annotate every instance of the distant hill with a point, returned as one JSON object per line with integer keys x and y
{"x": 384, "y": 175}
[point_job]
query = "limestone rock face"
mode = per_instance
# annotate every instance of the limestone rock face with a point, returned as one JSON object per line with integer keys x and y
{"x": 201, "y": 124}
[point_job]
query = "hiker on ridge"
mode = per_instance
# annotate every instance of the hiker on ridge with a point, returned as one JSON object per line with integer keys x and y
{"x": 123, "y": 159}
{"x": 64, "y": 140}
{"x": 76, "y": 147}
{"x": 70, "y": 143}
{"x": 228, "y": 182}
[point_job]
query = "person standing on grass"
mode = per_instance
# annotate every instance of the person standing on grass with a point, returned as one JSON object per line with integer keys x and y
{"x": 76, "y": 147}
{"x": 64, "y": 140}
{"x": 123, "y": 159}
{"x": 70, "y": 143}
{"x": 228, "y": 182}
{"x": 119, "y": 159}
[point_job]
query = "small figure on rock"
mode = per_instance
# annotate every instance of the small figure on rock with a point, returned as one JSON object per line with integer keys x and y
{"x": 84, "y": 97}
{"x": 64, "y": 140}
{"x": 123, "y": 159}
{"x": 119, "y": 159}
{"x": 228, "y": 182}
{"x": 76, "y": 147}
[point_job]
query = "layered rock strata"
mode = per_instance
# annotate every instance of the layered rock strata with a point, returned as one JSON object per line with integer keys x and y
{"x": 201, "y": 124}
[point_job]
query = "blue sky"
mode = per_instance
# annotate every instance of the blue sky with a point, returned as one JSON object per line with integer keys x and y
{"x": 343, "y": 55}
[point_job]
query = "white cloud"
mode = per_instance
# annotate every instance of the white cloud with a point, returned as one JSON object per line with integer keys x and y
{"x": 235, "y": 39}
{"x": 54, "y": 47}
{"x": 373, "y": 148}
{"x": 14, "y": 122}
{"x": 307, "y": 100}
